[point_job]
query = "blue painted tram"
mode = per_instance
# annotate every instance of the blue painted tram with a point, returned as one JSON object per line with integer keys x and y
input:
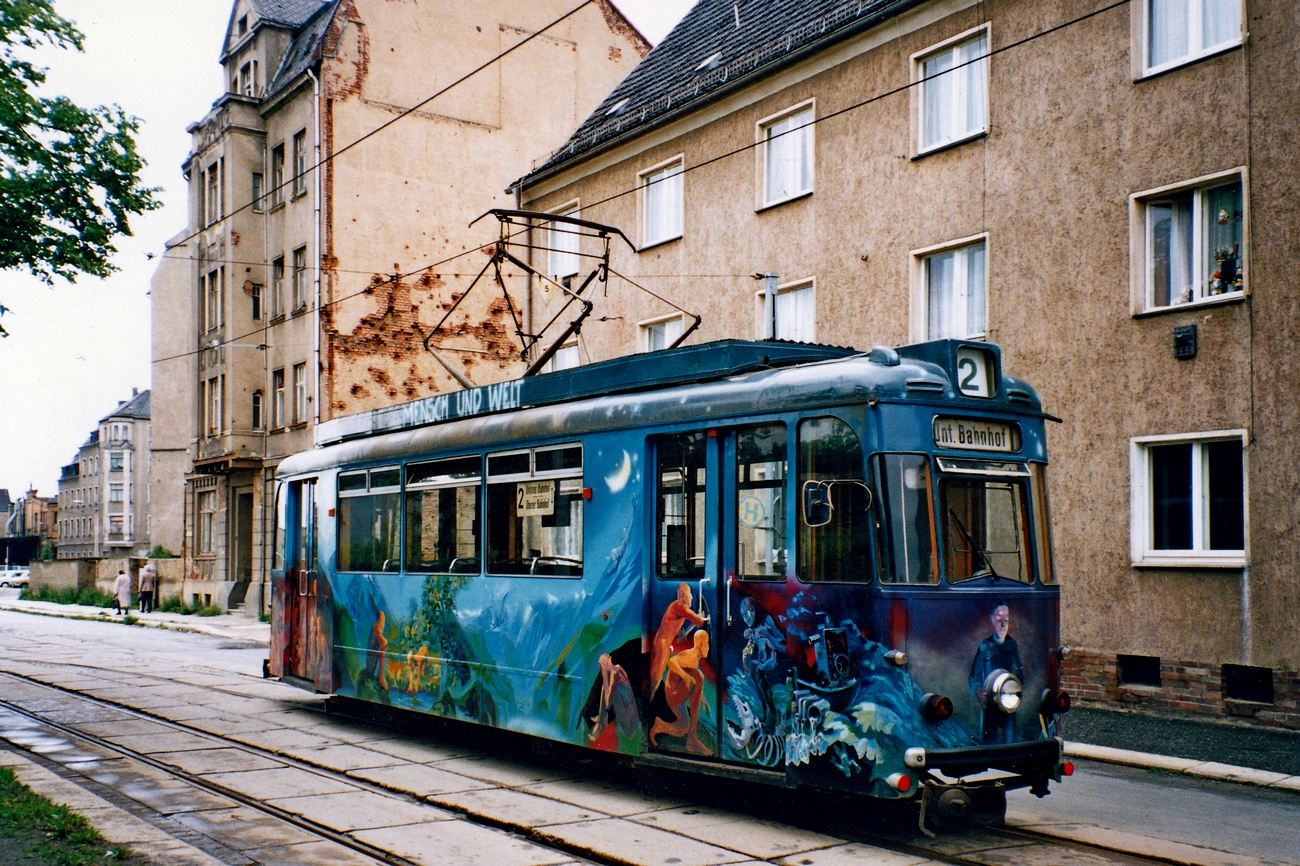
{"x": 798, "y": 563}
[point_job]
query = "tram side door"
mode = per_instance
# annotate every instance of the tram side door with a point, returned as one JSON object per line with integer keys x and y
{"x": 301, "y": 577}
{"x": 682, "y": 685}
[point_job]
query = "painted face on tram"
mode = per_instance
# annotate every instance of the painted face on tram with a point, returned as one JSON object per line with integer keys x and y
{"x": 1001, "y": 619}
{"x": 684, "y": 594}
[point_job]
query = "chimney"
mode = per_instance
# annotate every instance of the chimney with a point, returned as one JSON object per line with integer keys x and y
{"x": 135, "y": 392}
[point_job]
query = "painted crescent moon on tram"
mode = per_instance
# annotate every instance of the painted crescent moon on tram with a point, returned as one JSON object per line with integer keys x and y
{"x": 618, "y": 479}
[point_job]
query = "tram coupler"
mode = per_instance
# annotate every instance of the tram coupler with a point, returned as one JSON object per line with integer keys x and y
{"x": 957, "y": 805}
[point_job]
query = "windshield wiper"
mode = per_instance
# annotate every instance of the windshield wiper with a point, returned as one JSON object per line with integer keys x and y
{"x": 993, "y": 572}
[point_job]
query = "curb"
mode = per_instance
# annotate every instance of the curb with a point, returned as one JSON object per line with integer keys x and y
{"x": 1187, "y": 766}
{"x": 81, "y": 612}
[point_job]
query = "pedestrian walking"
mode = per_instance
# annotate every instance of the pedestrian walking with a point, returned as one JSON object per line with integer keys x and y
{"x": 148, "y": 583}
{"x": 122, "y": 592}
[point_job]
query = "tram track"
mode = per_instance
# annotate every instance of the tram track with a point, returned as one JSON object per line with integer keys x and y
{"x": 938, "y": 852}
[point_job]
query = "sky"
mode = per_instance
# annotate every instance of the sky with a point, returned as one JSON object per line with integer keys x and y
{"x": 76, "y": 349}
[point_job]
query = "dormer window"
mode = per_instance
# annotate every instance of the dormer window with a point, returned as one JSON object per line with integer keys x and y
{"x": 248, "y": 78}
{"x": 243, "y": 24}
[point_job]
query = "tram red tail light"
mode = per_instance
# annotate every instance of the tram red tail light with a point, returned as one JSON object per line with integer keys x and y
{"x": 936, "y": 708}
{"x": 1055, "y": 702}
{"x": 1067, "y": 768}
{"x": 900, "y": 782}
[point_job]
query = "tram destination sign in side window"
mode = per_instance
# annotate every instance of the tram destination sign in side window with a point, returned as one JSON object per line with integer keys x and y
{"x": 535, "y": 502}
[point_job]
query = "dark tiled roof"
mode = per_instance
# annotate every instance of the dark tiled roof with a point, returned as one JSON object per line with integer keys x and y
{"x": 293, "y": 13}
{"x": 302, "y": 51}
{"x": 136, "y": 407}
{"x": 706, "y": 55}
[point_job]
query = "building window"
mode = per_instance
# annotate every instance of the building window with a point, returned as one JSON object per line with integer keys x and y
{"x": 115, "y": 461}
{"x": 277, "y": 288}
{"x": 565, "y": 358}
{"x": 207, "y": 511}
{"x": 299, "y": 393}
{"x": 793, "y": 313}
{"x": 216, "y": 385}
{"x": 212, "y": 193}
{"x": 243, "y": 24}
{"x": 953, "y": 92}
{"x": 257, "y": 192}
{"x": 1189, "y": 503}
{"x": 562, "y": 259}
{"x": 951, "y": 293}
{"x": 277, "y": 398}
{"x": 116, "y": 527}
{"x": 257, "y": 418}
{"x": 115, "y": 492}
{"x": 214, "y": 289}
{"x": 299, "y": 278}
{"x": 248, "y": 78}
{"x": 300, "y": 163}
{"x": 1192, "y": 247}
{"x": 787, "y": 155}
{"x": 661, "y": 203}
{"x": 1179, "y": 31}
{"x": 660, "y": 334}
{"x": 277, "y": 175}
{"x": 255, "y": 298}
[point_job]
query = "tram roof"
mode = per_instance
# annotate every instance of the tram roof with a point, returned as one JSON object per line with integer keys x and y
{"x": 709, "y": 380}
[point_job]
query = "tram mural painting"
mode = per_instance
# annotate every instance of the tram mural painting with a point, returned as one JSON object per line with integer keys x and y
{"x": 793, "y": 570}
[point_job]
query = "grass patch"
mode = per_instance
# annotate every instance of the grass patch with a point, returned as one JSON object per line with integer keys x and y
{"x": 175, "y": 605}
{"x": 89, "y": 596}
{"x": 130, "y": 620}
{"x": 46, "y": 833}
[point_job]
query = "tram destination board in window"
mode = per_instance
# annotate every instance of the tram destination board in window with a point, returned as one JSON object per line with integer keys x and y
{"x": 976, "y": 435}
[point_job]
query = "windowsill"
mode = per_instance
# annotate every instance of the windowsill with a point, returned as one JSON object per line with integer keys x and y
{"x": 301, "y": 425}
{"x": 275, "y": 320}
{"x": 299, "y": 311}
{"x": 298, "y": 195}
{"x": 275, "y": 207}
{"x": 940, "y": 148}
{"x": 1191, "y": 560}
{"x": 1213, "y": 301}
{"x": 1158, "y": 71}
{"x": 775, "y": 204}
{"x": 661, "y": 243}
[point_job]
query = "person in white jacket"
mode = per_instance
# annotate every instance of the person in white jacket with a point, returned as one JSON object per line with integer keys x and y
{"x": 122, "y": 592}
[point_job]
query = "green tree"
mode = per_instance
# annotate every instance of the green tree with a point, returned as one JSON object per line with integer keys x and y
{"x": 69, "y": 176}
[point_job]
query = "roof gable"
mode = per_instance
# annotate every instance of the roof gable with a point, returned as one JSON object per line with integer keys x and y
{"x": 136, "y": 407}
{"x": 717, "y": 47}
{"x": 290, "y": 14}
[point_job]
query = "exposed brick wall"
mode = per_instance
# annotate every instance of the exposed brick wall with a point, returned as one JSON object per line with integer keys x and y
{"x": 1186, "y": 687}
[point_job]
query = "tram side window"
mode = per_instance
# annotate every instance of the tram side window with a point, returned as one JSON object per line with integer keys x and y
{"x": 905, "y": 530}
{"x": 834, "y": 529}
{"x": 369, "y": 527}
{"x": 761, "y": 538}
{"x": 442, "y": 516}
{"x": 535, "y": 512}
{"x": 681, "y": 511}
{"x": 1042, "y": 522}
{"x": 985, "y": 528}
{"x": 281, "y": 526}
{"x": 303, "y": 555}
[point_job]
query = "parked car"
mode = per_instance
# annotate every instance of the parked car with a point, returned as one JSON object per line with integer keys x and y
{"x": 17, "y": 575}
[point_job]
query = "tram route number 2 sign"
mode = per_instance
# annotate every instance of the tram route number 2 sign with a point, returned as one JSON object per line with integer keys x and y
{"x": 535, "y": 499}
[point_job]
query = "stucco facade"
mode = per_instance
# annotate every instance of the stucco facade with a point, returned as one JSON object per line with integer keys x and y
{"x": 300, "y": 292}
{"x": 1084, "y": 141}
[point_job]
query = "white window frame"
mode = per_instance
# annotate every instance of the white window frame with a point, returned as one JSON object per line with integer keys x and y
{"x": 571, "y": 345}
{"x": 1143, "y": 555}
{"x": 644, "y": 329}
{"x": 763, "y": 130}
{"x": 300, "y": 278}
{"x": 644, "y": 181}
{"x": 917, "y": 61}
{"x": 117, "y": 492}
{"x": 808, "y": 284}
{"x": 1141, "y": 30}
{"x": 300, "y": 163}
{"x": 920, "y": 295}
{"x": 563, "y": 245}
{"x": 278, "y": 399}
{"x": 1140, "y": 276}
{"x": 300, "y": 393}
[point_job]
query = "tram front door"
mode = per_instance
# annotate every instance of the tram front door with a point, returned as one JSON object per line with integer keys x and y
{"x": 721, "y": 560}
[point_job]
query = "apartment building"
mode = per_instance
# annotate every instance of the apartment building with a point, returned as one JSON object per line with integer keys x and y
{"x": 104, "y": 495}
{"x": 1103, "y": 190}
{"x": 297, "y": 293}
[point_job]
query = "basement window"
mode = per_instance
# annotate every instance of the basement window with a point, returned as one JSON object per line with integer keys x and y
{"x": 1248, "y": 683}
{"x": 1139, "y": 670}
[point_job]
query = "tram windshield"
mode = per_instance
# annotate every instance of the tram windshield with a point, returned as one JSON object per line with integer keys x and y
{"x": 986, "y": 529}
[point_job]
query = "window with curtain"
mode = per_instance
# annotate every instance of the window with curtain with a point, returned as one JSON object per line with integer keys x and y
{"x": 788, "y": 156}
{"x": 954, "y": 93}
{"x": 1194, "y": 246}
{"x": 955, "y": 293}
{"x": 661, "y": 191}
{"x": 562, "y": 248}
{"x": 660, "y": 335}
{"x": 1191, "y": 498}
{"x": 795, "y": 314}
{"x": 1179, "y": 31}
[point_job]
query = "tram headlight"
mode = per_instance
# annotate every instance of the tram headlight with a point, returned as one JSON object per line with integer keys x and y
{"x": 1002, "y": 689}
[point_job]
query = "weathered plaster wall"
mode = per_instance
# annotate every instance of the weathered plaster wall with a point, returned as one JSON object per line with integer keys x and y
{"x": 402, "y": 201}
{"x": 1071, "y": 137}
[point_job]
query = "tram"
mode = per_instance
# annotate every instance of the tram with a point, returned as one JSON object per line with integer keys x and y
{"x": 795, "y": 563}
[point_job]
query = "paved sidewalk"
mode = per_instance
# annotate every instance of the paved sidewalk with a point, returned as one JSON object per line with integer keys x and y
{"x": 235, "y": 626}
